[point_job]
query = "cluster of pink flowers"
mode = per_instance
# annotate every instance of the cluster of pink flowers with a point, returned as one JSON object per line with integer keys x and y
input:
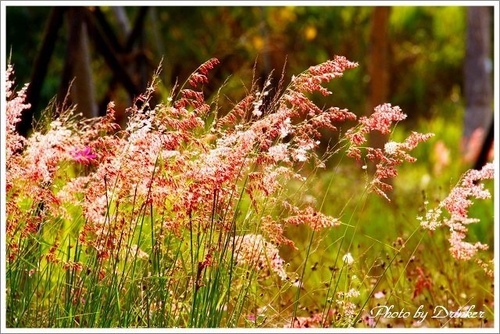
{"x": 457, "y": 204}
{"x": 190, "y": 175}
{"x": 313, "y": 321}
{"x": 385, "y": 159}
{"x": 187, "y": 174}
{"x": 316, "y": 220}
{"x": 14, "y": 108}
{"x": 199, "y": 76}
{"x": 255, "y": 252}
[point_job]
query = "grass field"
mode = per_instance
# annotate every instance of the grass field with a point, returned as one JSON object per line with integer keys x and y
{"x": 194, "y": 217}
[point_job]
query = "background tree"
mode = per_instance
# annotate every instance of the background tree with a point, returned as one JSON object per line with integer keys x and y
{"x": 78, "y": 65}
{"x": 378, "y": 64}
{"x": 478, "y": 91}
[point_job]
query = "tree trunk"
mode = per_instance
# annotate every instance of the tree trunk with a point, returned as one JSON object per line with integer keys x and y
{"x": 77, "y": 65}
{"x": 378, "y": 66}
{"x": 477, "y": 81}
{"x": 378, "y": 70}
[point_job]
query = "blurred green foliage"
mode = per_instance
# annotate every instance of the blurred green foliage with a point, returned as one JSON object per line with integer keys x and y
{"x": 427, "y": 47}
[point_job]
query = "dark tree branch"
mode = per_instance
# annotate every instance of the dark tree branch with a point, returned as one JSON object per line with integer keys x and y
{"x": 110, "y": 57}
{"x": 40, "y": 68}
{"x": 137, "y": 29}
{"x": 132, "y": 38}
{"x": 108, "y": 30}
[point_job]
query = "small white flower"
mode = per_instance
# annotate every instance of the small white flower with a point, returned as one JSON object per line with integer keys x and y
{"x": 348, "y": 259}
{"x": 391, "y": 147}
{"x": 256, "y": 108}
{"x": 352, "y": 293}
{"x": 300, "y": 154}
{"x": 279, "y": 152}
{"x": 285, "y": 128}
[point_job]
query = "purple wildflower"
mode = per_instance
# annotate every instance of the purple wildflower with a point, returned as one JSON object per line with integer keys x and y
{"x": 84, "y": 156}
